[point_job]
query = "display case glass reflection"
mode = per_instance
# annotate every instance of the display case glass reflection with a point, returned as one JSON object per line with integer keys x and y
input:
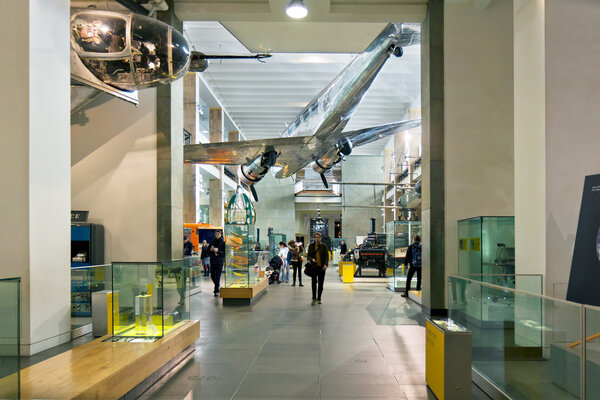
{"x": 399, "y": 235}
{"x": 240, "y": 265}
{"x": 149, "y": 299}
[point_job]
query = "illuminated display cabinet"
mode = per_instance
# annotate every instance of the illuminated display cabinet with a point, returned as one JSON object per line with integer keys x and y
{"x": 149, "y": 299}
{"x": 240, "y": 268}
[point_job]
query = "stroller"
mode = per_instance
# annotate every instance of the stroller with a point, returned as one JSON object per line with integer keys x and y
{"x": 273, "y": 270}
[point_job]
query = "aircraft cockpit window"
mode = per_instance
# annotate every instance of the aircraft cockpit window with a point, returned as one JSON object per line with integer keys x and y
{"x": 102, "y": 34}
{"x": 180, "y": 52}
{"x": 149, "y": 49}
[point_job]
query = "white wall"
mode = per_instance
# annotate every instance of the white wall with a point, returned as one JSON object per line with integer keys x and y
{"x": 572, "y": 121}
{"x": 276, "y": 207}
{"x": 478, "y": 76}
{"x": 34, "y": 160}
{"x": 113, "y": 159}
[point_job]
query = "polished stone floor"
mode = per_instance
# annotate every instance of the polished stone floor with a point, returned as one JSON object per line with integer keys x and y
{"x": 363, "y": 342}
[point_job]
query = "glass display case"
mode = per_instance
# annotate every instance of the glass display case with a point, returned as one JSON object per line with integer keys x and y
{"x": 10, "y": 338}
{"x": 399, "y": 236}
{"x": 486, "y": 246}
{"x": 149, "y": 299}
{"x": 193, "y": 265}
{"x": 84, "y": 282}
{"x": 274, "y": 239}
{"x": 240, "y": 264}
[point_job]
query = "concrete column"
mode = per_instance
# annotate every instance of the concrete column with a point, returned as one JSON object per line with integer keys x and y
{"x": 530, "y": 137}
{"x": 190, "y": 120}
{"x": 35, "y": 167}
{"x": 215, "y": 120}
{"x": 433, "y": 206}
{"x": 169, "y": 123}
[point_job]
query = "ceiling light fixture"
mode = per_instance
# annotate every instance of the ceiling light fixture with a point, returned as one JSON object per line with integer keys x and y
{"x": 296, "y": 9}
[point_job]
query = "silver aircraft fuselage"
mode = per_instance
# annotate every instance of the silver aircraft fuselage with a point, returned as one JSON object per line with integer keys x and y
{"x": 333, "y": 107}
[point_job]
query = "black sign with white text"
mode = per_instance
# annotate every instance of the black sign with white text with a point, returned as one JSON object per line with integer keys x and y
{"x": 584, "y": 282}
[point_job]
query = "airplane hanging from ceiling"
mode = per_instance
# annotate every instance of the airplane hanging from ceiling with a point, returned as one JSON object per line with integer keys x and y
{"x": 118, "y": 53}
{"x": 316, "y": 135}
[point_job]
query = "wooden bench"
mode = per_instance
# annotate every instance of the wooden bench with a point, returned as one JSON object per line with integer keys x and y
{"x": 104, "y": 370}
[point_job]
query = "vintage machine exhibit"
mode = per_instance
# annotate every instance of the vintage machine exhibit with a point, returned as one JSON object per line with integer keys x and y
{"x": 372, "y": 253}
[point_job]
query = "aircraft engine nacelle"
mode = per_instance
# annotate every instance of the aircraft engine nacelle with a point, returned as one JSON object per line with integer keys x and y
{"x": 333, "y": 156}
{"x": 256, "y": 170}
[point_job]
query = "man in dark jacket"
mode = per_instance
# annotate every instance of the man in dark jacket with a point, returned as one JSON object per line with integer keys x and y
{"x": 319, "y": 255}
{"x": 413, "y": 258}
{"x": 216, "y": 249}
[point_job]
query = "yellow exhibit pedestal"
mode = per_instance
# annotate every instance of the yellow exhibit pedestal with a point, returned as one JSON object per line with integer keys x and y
{"x": 447, "y": 359}
{"x": 347, "y": 270}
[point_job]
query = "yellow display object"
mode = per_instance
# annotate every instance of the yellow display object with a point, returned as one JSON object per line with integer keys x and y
{"x": 143, "y": 319}
{"x": 447, "y": 359}
{"x": 434, "y": 359}
{"x": 348, "y": 269}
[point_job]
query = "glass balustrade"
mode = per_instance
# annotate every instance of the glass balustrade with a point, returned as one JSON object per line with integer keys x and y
{"x": 10, "y": 338}
{"x": 524, "y": 343}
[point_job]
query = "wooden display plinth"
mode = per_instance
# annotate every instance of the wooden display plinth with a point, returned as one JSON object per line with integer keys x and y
{"x": 105, "y": 370}
{"x": 243, "y": 295}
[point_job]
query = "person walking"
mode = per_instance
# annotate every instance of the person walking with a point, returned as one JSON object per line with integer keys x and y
{"x": 205, "y": 256}
{"x": 285, "y": 267}
{"x": 319, "y": 255}
{"x": 217, "y": 259}
{"x": 296, "y": 262}
{"x": 413, "y": 258}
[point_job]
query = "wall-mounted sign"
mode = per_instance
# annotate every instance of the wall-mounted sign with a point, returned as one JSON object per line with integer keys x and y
{"x": 585, "y": 267}
{"x": 475, "y": 244}
{"x": 79, "y": 216}
{"x": 462, "y": 244}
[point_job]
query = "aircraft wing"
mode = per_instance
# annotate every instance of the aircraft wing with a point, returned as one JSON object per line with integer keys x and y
{"x": 244, "y": 152}
{"x": 367, "y": 135}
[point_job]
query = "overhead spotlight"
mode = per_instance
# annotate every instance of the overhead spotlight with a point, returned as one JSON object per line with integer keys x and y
{"x": 296, "y": 9}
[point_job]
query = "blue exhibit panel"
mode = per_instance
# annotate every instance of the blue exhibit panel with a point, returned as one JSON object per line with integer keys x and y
{"x": 80, "y": 233}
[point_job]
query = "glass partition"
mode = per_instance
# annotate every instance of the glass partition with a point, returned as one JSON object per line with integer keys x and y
{"x": 486, "y": 245}
{"x": 274, "y": 239}
{"x": 240, "y": 268}
{"x": 193, "y": 266}
{"x": 399, "y": 236}
{"x": 149, "y": 299}
{"x": 521, "y": 342}
{"x": 532, "y": 283}
{"x": 84, "y": 282}
{"x": 592, "y": 352}
{"x": 10, "y": 338}
{"x": 175, "y": 293}
{"x": 261, "y": 262}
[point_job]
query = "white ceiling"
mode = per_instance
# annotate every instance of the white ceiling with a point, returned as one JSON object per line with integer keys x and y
{"x": 262, "y": 97}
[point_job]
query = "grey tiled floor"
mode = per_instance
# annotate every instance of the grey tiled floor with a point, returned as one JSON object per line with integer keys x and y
{"x": 362, "y": 342}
